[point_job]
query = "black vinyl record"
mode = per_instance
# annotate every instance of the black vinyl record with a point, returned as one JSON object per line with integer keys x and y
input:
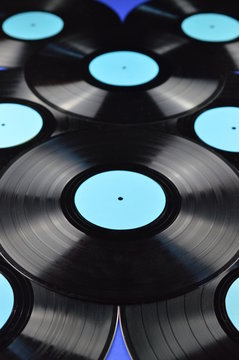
{"x": 154, "y": 18}
{"x": 44, "y": 325}
{"x": 14, "y": 90}
{"x": 188, "y": 78}
{"x": 76, "y": 14}
{"x": 193, "y": 326}
{"x": 158, "y": 13}
{"x": 193, "y": 239}
{"x": 226, "y": 145}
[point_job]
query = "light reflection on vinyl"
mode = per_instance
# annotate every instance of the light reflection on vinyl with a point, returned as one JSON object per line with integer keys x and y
{"x": 189, "y": 327}
{"x": 195, "y": 237}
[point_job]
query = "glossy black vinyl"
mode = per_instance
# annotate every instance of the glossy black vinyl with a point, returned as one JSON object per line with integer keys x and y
{"x": 184, "y": 126}
{"x": 153, "y": 262}
{"x": 187, "y": 327}
{"x": 45, "y": 325}
{"x": 188, "y": 78}
{"x": 76, "y": 14}
{"x": 14, "y": 89}
{"x": 159, "y": 13}
{"x": 154, "y": 18}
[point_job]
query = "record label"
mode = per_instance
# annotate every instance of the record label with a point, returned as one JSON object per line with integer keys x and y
{"x": 219, "y": 128}
{"x": 124, "y": 68}
{"x": 33, "y": 25}
{"x": 18, "y": 124}
{"x": 6, "y": 300}
{"x": 232, "y": 303}
{"x": 120, "y": 200}
{"x": 211, "y": 27}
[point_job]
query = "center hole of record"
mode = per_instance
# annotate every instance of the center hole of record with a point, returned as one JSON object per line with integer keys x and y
{"x": 3, "y": 124}
{"x": 96, "y": 202}
{"x": 233, "y": 128}
{"x": 137, "y": 68}
{"x": 231, "y": 303}
{"x": 6, "y": 300}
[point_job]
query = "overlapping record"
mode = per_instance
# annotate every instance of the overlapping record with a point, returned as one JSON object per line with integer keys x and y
{"x": 160, "y": 12}
{"x": 44, "y": 325}
{"x": 60, "y": 75}
{"x": 15, "y": 91}
{"x": 74, "y": 14}
{"x": 86, "y": 12}
{"x": 216, "y": 126}
{"x": 191, "y": 236}
{"x": 155, "y": 17}
{"x": 25, "y": 119}
{"x": 187, "y": 327}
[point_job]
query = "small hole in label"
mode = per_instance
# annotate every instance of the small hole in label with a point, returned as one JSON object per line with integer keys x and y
{"x": 124, "y": 67}
{"x": 32, "y": 25}
{"x": 212, "y": 26}
{"x": 233, "y": 128}
{"x": 3, "y": 124}
{"x": 120, "y": 198}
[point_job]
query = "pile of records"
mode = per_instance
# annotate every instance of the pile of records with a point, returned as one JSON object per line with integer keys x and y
{"x": 119, "y": 185}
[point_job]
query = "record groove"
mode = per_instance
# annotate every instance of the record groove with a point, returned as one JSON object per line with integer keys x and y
{"x": 185, "y": 126}
{"x": 165, "y": 258}
{"x": 187, "y": 327}
{"x": 161, "y": 16}
{"x": 14, "y": 89}
{"x": 15, "y": 53}
{"x": 59, "y": 74}
{"x": 50, "y": 326}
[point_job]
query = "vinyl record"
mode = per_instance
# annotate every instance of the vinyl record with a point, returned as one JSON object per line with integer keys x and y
{"x": 17, "y": 134}
{"x": 22, "y": 36}
{"x": 119, "y": 217}
{"x": 44, "y": 325}
{"x": 211, "y": 24}
{"x": 216, "y": 126}
{"x": 194, "y": 326}
{"x": 125, "y": 78}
